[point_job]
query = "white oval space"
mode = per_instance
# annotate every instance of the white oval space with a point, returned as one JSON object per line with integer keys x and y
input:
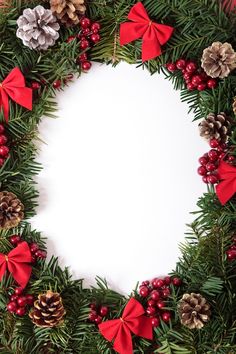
{"x": 119, "y": 176}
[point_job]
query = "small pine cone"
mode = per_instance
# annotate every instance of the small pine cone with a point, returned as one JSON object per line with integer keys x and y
{"x": 234, "y": 105}
{"x": 216, "y": 126}
{"x": 68, "y": 12}
{"x": 194, "y": 311}
{"x": 38, "y": 28}
{"x": 219, "y": 60}
{"x": 48, "y": 310}
{"x": 11, "y": 210}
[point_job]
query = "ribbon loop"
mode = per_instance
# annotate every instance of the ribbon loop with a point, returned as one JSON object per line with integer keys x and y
{"x": 131, "y": 321}
{"x": 14, "y": 87}
{"x": 227, "y": 186}
{"x": 153, "y": 34}
{"x": 17, "y": 262}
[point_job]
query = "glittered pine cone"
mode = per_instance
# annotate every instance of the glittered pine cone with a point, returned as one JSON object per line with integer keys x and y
{"x": 68, "y": 12}
{"x": 216, "y": 126}
{"x": 194, "y": 311}
{"x": 38, "y": 28}
{"x": 48, "y": 310}
{"x": 219, "y": 60}
{"x": 11, "y": 210}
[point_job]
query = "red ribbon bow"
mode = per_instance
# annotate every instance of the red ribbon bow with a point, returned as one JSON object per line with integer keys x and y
{"x": 227, "y": 187}
{"x": 14, "y": 87}
{"x": 17, "y": 263}
{"x": 132, "y": 320}
{"x": 153, "y": 34}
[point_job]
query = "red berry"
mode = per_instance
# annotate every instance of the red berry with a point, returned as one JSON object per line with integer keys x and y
{"x": 234, "y": 239}
{"x": 202, "y": 171}
{"x": 166, "y": 316}
{"x": 95, "y": 26}
{"x": 103, "y": 311}
{"x": 57, "y": 84}
{"x": 21, "y": 311}
{"x": 187, "y": 76}
{"x": 196, "y": 80}
{"x": 93, "y": 306}
{"x": 70, "y": 39}
{"x": 158, "y": 283}
{"x": 1, "y": 128}
{"x": 93, "y": 314}
{"x": 167, "y": 280}
{"x": 204, "y": 179}
{"x": 84, "y": 44}
{"x": 211, "y": 84}
{"x": 201, "y": 87}
{"x": 166, "y": 293}
{"x": 3, "y": 139}
{"x": 15, "y": 239}
{"x": 35, "y": 85}
{"x": 29, "y": 299}
{"x": 13, "y": 297}
{"x": 160, "y": 304}
{"x": 82, "y": 57}
{"x": 33, "y": 259}
{"x": 212, "y": 179}
{"x": 190, "y": 86}
{"x": 146, "y": 282}
{"x": 203, "y": 160}
{"x": 95, "y": 38}
{"x": 155, "y": 295}
{"x": 144, "y": 291}
{"x": 86, "y": 65}
{"x": 86, "y": 31}
{"x": 231, "y": 254}
{"x": 33, "y": 247}
{"x": 40, "y": 254}
{"x": 181, "y": 64}
{"x": 176, "y": 281}
{"x": 210, "y": 166}
{"x": 2, "y": 161}
{"x": 18, "y": 291}
{"x": 214, "y": 143}
{"x": 22, "y": 301}
{"x": 213, "y": 155}
{"x": 151, "y": 303}
{"x": 85, "y": 22}
{"x": 171, "y": 67}
{"x": 98, "y": 320}
{"x": 12, "y": 306}
{"x": 191, "y": 67}
{"x": 150, "y": 311}
{"x": 4, "y": 151}
{"x": 155, "y": 322}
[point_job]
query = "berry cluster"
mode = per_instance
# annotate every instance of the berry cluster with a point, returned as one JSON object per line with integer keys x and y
{"x": 157, "y": 293}
{"x": 4, "y": 150}
{"x": 36, "y": 252}
{"x": 19, "y": 302}
{"x": 195, "y": 78}
{"x": 97, "y": 313}
{"x": 210, "y": 161}
{"x": 231, "y": 251}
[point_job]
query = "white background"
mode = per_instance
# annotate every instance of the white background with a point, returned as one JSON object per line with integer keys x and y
{"x": 119, "y": 176}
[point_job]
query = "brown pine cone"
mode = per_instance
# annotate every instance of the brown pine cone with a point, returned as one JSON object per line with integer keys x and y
{"x": 194, "y": 311}
{"x": 219, "y": 60}
{"x": 234, "y": 105}
{"x": 216, "y": 126}
{"x": 48, "y": 310}
{"x": 68, "y": 12}
{"x": 11, "y": 210}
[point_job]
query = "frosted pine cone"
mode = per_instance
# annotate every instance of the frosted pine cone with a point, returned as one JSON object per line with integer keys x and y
{"x": 219, "y": 60}
{"x": 68, "y": 12}
{"x": 38, "y": 28}
{"x": 194, "y": 311}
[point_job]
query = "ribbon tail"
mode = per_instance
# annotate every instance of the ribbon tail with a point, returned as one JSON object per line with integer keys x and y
{"x": 21, "y": 272}
{"x": 3, "y": 266}
{"x": 151, "y": 47}
{"x": 225, "y": 190}
{"x": 4, "y": 103}
{"x": 123, "y": 341}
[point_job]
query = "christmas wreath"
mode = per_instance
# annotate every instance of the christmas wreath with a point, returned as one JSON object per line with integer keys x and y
{"x": 43, "y": 46}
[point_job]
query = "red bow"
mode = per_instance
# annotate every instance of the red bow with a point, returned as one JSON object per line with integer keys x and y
{"x": 153, "y": 34}
{"x": 14, "y": 87}
{"x": 227, "y": 187}
{"x": 132, "y": 320}
{"x": 17, "y": 263}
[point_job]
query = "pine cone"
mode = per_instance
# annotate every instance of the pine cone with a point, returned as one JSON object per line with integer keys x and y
{"x": 68, "y": 12}
{"x": 38, "y": 28}
{"x": 219, "y": 60}
{"x": 194, "y": 311}
{"x": 217, "y": 126}
{"x": 234, "y": 105}
{"x": 11, "y": 210}
{"x": 48, "y": 310}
